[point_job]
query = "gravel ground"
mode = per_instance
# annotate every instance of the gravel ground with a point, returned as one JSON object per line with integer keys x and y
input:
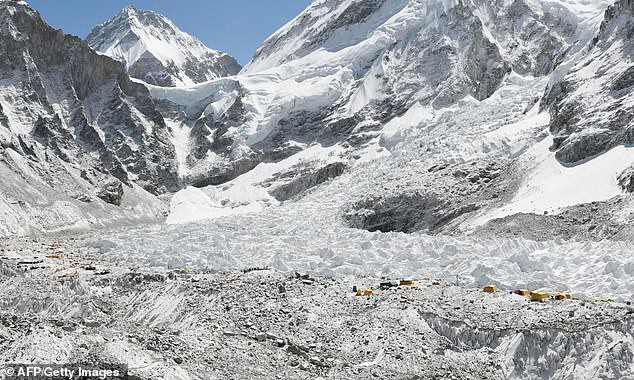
{"x": 66, "y": 307}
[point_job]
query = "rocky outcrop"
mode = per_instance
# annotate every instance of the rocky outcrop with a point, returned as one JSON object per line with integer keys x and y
{"x": 112, "y": 193}
{"x": 429, "y": 200}
{"x": 592, "y": 107}
{"x": 303, "y": 178}
{"x": 626, "y": 180}
{"x": 224, "y": 171}
{"x": 83, "y": 105}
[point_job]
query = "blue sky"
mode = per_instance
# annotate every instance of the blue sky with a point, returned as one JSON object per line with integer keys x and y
{"x": 237, "y": 27}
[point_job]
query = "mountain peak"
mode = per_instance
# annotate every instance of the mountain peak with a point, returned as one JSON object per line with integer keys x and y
{"x": 155, "y": 50}
{"x": 12, "y": 2}
{"x": 128, "y": 12}
{"x": 144, "y": 17}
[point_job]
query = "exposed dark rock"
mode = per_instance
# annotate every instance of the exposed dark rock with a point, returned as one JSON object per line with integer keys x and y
{"x": 225, "y": 171}
{"x": 626, "y": 180}
{"x": 624, "y": 81}
{"x": 429, "y": 200}
{"x": 4, "y": 121}
{"x": 149, "y": 69}
{"x": 592, "y": 114}
{"x": 112, "y": 193}
{"x": 356, "y": 13}
{"x": 400, "y": 213}
{"x": 304, "y": 178}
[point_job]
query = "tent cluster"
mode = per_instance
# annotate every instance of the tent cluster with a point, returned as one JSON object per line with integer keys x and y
{"x": 534, "y": 296}
{"x": 400, "y": 283}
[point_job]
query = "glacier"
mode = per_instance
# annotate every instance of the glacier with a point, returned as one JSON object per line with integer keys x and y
{"x": 455, "y": 143}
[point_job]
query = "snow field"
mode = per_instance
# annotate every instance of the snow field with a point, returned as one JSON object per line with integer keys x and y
{"x": 552, "y": 186}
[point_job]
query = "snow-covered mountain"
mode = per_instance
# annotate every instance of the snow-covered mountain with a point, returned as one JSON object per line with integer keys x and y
{"x": 464, "y": 142}
{"x": 81, "y": 145}
{"x": 461, "y": 104}
{"x": 157, "y": 51}
{"x": 341, "y": 70}
{"x": 456, "y": 100}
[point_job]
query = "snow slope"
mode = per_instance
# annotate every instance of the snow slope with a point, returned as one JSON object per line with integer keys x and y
{"x": 552, "y": 186}
{"x": 157, "y": 51}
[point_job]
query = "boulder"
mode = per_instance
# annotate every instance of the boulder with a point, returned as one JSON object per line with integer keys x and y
{"x": 111, "y": 193}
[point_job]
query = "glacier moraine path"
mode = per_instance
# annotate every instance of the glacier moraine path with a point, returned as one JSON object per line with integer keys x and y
{"x": 63, "y": 303}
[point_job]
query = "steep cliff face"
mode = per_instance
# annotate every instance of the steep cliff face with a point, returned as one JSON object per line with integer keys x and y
{"x": 71, "y": 116}
{"x": 154, "y": 50}
{"x": 593, "y": 106}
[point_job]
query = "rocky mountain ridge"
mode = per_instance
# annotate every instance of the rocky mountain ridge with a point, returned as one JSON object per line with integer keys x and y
{"x": 73, "y": 122}
{"x": 593, "y": 104}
